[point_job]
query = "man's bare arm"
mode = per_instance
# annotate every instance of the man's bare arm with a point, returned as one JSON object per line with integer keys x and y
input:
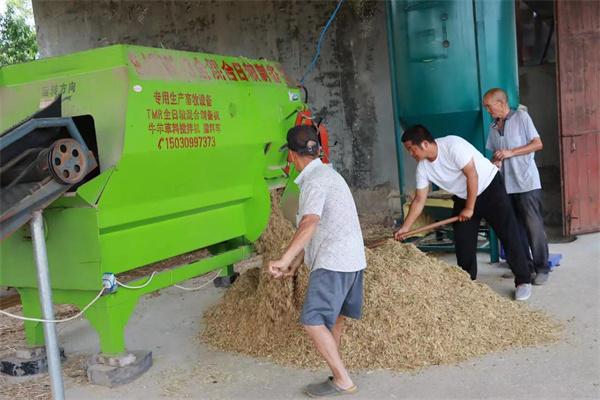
{"x": 306, "y": 229}
{"x": 291, "y": 271}
{"x": 416, "y": 208}
{"x": 531, "y": 147}
{"x": 472, "y": 185}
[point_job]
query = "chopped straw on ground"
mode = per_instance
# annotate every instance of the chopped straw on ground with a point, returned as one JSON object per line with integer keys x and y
{"x": 418, "y": 311}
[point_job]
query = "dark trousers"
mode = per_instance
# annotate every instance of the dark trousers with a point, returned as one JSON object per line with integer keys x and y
{"x": 528, "y": 211}
{"x": 494, "y": 205}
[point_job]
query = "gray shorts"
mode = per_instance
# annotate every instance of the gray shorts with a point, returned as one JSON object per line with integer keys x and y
{"x": 331, "y": 294}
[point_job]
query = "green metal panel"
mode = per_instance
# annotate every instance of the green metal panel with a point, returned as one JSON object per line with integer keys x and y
{"x": 73, "y": 251}
{"x": 187, "y": 147}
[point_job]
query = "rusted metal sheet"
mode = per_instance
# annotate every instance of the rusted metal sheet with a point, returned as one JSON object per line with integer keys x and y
{"x": 578, "y": 64}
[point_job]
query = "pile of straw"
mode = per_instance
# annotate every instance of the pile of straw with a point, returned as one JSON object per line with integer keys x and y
{"x": 418, "y": 311}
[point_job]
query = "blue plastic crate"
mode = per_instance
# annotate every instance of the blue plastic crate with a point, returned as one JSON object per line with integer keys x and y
{"x": 554, "y": 260}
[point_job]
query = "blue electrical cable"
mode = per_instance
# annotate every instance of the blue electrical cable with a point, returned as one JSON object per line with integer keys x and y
{"x": 319, "y": 42}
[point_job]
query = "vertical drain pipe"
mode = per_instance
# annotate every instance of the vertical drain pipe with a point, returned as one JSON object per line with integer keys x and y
{"x": 41, "y": 261}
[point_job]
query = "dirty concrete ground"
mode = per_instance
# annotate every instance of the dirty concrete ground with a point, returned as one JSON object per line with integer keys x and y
{"x": 168, "y": 324}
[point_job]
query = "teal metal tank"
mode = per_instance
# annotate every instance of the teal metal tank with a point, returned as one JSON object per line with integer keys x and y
{"x": 444, "y": 56}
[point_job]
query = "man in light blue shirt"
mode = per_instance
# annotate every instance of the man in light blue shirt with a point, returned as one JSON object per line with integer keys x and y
{"x": 514, "y": 140}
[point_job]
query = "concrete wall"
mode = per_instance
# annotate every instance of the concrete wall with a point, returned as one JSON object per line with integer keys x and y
{"x": 350, "y": 87}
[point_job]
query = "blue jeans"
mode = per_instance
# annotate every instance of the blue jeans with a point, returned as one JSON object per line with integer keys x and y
{"x": 528, "y": 210}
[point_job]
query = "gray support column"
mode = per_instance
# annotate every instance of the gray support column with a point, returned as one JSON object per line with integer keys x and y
{"x": 41, "y": 261}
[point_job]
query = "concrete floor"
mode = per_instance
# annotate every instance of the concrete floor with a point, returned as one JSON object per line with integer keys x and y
{"x": 169, "y": 324}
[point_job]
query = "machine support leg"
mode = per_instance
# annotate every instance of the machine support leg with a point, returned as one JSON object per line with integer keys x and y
{"x": 109, "y": 321}
{"x": 34, "y": 331}
{"x": 115, "y": 365}
{"x": 227, "y": 271}
{"x": 41, "y": 261}
{"x": 226, "y": 277}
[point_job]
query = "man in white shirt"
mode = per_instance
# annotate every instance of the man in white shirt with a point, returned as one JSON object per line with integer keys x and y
{"x": 455, "y": 165}
{"x": 330, "y": 242}
{"x": 514, "y": 140}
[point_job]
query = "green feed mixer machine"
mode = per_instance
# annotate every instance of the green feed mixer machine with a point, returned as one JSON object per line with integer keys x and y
{"x": 128, "y": 157}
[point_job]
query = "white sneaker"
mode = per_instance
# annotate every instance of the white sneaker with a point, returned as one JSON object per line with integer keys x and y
{"x": 523, "y": 292}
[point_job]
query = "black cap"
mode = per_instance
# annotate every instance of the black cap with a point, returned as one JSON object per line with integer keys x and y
{"x": 303, "y": 139}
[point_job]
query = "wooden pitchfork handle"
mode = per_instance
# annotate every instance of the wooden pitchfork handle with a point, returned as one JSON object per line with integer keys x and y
{"x": 418, "y": 230}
